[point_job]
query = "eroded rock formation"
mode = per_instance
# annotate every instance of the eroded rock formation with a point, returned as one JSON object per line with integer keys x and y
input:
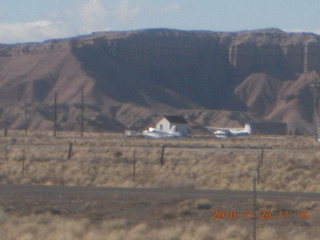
{"x": 132, "y": 77}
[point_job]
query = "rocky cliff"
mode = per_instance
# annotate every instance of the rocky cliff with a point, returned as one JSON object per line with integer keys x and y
{"x": 131, "y": 78}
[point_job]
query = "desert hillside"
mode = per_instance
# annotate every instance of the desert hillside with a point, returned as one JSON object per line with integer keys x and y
{"x": 132, "y": 78}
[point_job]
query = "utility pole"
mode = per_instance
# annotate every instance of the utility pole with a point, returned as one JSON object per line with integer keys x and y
{"x": 25, "y": 115}
{"x": 254, "y": 204}
{"x": 316, "y": 86}
{"x": 82, "y": 109}
{"x": 55, "y": 114}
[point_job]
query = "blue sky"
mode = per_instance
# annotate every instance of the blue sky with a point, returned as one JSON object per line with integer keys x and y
{"x": 39, "y": 20}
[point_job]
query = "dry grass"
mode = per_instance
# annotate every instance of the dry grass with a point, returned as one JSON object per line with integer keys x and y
{"x": 175, "y": 220}
{"x": 107, "y": 160}
{"x": 51, "y": 227}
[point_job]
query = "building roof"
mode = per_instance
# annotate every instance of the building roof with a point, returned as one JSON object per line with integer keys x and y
{"x": 175, "y": 119}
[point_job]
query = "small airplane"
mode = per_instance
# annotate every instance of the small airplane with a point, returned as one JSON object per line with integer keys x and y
{"x": 156, "y": 133}
{"x": 225, "y": 132}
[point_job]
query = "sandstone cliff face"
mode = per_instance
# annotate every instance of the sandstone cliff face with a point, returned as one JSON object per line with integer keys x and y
{"x": 145, "y": 73}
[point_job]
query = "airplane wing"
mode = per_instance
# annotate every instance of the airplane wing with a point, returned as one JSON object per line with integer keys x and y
{"x": 214, "y": 129}
{"x": 129, "y": 133}
{"x": 230, "y": 131}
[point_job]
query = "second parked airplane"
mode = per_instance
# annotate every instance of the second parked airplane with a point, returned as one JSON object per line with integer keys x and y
{"x": 225, "y": 132}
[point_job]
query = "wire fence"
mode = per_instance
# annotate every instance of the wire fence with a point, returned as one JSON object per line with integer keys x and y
{"x": 178, "y": 164}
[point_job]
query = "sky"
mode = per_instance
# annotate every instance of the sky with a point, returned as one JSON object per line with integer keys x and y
{"x": 40, "y": 20}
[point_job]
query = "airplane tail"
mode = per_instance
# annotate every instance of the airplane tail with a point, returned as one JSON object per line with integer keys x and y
{"x": 173, "y": 129}
{"x": 247, "y": 128}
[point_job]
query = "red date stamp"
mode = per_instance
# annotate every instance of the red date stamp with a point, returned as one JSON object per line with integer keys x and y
{"x": 259, "y": 214}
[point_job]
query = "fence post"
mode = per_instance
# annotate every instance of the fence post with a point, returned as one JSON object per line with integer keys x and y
{"x": 162, "y": 155}
{"x": 70, "y": 151}
{"x": 261, "y": 156}
{"x": 5, "y": 132}
{"x": 23, "y": 158}
{"x": 259, "y": 165}
{"x": 6, "y": 151}
{"x": 133, "y": 166}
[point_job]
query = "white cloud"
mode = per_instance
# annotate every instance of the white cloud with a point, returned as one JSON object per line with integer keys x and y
{"x": 31, "y": 31}
{"x": 84, "y": 18}
{"x": 126, "y": 11}
{"x": 93, "y": 16}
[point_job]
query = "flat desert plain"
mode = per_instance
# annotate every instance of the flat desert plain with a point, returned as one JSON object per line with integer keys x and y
{"x": 106, "y": 186}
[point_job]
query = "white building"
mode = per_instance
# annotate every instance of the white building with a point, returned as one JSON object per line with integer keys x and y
{"x": 167, "y": 122}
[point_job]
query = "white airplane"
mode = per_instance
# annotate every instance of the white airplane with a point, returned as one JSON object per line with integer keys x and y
{"x": 225, "y": 132}
{"x": 156, "y": 133}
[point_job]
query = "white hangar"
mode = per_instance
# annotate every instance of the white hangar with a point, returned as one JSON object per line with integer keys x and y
{"x": 169, "y": 121}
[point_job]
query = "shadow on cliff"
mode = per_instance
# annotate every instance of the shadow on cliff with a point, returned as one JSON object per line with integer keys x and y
{"x": 201, "y": 81}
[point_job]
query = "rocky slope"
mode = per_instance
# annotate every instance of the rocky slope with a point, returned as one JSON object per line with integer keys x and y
{"x": 131, "y": 78}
